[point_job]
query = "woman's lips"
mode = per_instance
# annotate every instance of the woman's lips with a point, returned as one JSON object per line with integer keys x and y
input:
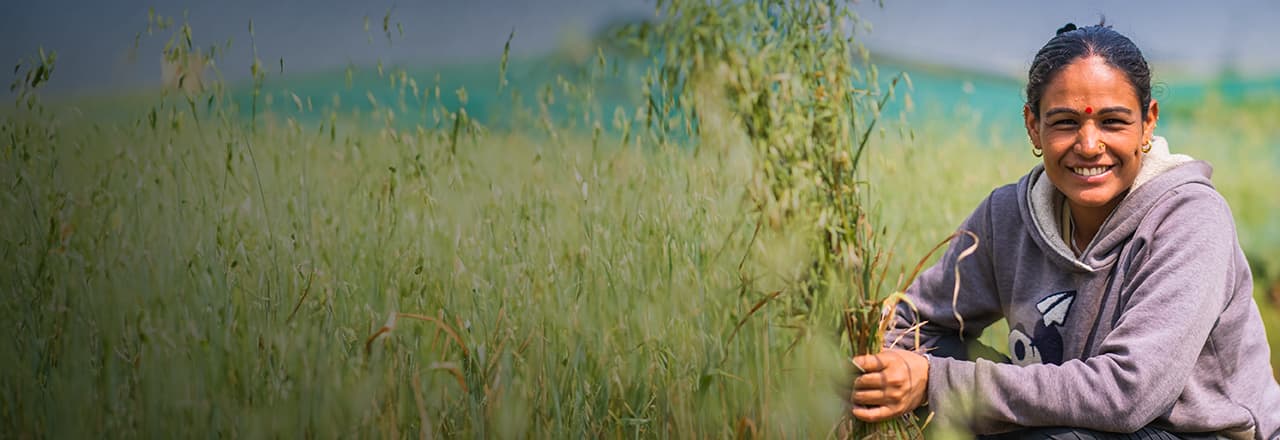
{"x": 1092, "y": 174}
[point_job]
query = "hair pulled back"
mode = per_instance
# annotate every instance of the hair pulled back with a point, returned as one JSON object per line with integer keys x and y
{"x": 1072, "y": 43}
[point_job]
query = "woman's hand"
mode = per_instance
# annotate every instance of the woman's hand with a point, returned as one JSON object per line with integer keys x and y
{"x": 892, "y": 383}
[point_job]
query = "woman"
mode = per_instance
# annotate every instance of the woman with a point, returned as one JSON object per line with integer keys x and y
{"x": 1117, "y": 267}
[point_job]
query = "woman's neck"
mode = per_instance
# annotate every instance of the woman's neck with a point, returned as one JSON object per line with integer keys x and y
{"x": 1088, "y": 220}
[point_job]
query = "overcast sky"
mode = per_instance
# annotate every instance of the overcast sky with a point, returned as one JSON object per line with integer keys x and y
{"x": 1003, "y": 35}
{"x": 93, "y": 38}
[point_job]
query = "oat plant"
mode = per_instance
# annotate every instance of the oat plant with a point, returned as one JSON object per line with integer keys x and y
{"x": 793, "y": 81}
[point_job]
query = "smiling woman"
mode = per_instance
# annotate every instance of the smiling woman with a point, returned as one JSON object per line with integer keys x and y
{"x": 1092, "y": 158}
{"x": 1117, "y": 266}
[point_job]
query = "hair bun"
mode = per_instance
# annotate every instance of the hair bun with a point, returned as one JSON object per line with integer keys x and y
{"x": 1068, "y": 28}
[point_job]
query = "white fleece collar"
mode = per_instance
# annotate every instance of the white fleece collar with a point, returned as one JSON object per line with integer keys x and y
{"x": 1044, "y": 197}
{"x": 1157, "y": 161}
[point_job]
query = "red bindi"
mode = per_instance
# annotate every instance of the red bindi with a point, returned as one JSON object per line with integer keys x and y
{"x": 1088, "y": 110}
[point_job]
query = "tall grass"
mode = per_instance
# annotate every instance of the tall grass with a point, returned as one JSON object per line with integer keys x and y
{"x": 790, "y": 80}
{"x": 196, "y": 272}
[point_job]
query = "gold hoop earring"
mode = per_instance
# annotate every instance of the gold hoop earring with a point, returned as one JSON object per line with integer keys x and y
{"x": 1036, "y": 151}
{"x": 1146, "y": 148}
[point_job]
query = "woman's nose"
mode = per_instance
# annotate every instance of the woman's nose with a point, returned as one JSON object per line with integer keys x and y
{"x": 1089, "y": 143}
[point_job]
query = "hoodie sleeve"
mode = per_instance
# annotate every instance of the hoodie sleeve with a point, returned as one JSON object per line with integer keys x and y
{"x": 931, "y": 293}
{"x": 1179, "y": 284}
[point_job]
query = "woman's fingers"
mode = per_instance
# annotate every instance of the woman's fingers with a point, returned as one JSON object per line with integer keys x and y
{"x": 889, "y": 380}
{"x": 879, "y": 397}
{"x": 875, "y": 413}
{"x": 869, "y": 381}
{"x": 869, "y": 363}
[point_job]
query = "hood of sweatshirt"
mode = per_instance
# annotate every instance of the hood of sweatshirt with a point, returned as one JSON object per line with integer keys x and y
{"x": 1161, "y": 172}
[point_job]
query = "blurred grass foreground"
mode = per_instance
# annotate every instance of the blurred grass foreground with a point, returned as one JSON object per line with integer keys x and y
{"x": 603, "y": 250}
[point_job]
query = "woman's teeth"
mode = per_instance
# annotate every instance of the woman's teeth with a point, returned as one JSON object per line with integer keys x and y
{"x": 1090, "y": 172}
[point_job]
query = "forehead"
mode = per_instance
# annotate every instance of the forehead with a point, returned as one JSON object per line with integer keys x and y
{"x": 1089, "y": 82}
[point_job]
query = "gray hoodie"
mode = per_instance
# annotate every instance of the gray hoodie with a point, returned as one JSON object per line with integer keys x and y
{"x": 1153, "y": 324}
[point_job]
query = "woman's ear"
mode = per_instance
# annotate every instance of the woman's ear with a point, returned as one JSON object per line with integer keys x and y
{"x": 1153, "y": 115}
{"x": 1033, "y": 129}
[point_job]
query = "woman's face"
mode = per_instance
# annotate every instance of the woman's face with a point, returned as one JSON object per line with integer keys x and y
{"x": 1089, "y": 104}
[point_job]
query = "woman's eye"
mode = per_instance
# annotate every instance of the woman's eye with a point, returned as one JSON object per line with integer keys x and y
{"x": 1064, "y": 123}
{"x": 1115, "y": 122}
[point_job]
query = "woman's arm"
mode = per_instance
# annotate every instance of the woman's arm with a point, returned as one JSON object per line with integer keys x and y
{"x": 895, "y": 381}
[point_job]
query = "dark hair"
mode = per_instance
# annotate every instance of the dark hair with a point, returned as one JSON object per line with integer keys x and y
{"x": 1073, "y": 43}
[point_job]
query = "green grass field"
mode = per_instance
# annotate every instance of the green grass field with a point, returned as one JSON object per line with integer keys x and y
{"x": 181, "y": 272}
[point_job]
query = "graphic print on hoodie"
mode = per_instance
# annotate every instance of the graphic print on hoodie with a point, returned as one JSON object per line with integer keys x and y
{"x": 1043, "y": 345}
